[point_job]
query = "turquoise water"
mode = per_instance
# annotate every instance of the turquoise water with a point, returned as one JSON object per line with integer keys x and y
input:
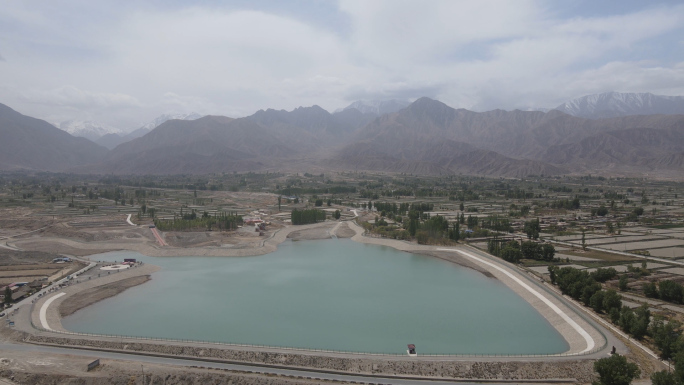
{"x": 329, "y": 294}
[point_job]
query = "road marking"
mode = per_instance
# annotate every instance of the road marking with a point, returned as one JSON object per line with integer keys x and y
{"x": 43, "y": 311}
{"x": 566, "y": 318}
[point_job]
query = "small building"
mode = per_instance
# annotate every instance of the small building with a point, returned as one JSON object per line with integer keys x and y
{"x": 252, "y": 220}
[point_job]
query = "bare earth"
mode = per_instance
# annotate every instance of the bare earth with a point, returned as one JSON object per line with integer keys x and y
{"x": 90, "y": 296}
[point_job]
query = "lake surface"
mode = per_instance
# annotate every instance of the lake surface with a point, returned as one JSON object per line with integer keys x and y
{"x": 327, "y": 294}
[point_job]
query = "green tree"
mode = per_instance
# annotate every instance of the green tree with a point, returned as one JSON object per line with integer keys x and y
{"x": 670, "y": 291}
{"x": 511, "y": 252}
{"x": 422, "y": 237}
{"x": 642, "y": 317}
{"x": 651, "y": 290}
{"x": 611, "y": 300}
{"x": 337, "y": 214}
{"x": 303, "y": 217}
{"x": 664, "y": 378}
{"x": 665, "y": 335}
{"x": 615, "y": 370}
{"x": 531, "y": 250}
{"x": 604, "y": 274}
{"x": 602, "y": 211}
{"x": 626, "y": 319}
{"x": 548, "y": 252}
{"x": 622, "y": 284}
{"x": 412, "y": 227}
{"x": 461, "y": 206}
{"x": 596, "y": 301}
{"x": 455, "y": 234}
{"x": 532, "y": 229}
{"x": 8, "y": 295}
{"x": 552, "y": 273}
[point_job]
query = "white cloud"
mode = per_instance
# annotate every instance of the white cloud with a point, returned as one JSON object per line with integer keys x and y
{"x": 74, "y": 97}
{"x": 127, "y": 66}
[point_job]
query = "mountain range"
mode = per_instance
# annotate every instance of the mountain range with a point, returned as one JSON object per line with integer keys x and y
{"x": 113, "y": 139}
{"x": 88, "y": 129}
{"x": 425, "y": 137}
{"x": 34, "y": 144}
{"x": 377, "y": 107}
{"x": 614, "y": 104}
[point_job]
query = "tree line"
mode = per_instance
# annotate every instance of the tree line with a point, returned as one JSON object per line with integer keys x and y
{"x": 586, "y": 287}
{"x": 303, "y": 217}
{"x": 513, "y": 252}
{"x": 191, "y": 221}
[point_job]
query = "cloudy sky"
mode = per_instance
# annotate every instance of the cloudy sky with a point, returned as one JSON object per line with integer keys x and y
{"x": 125, "y": 62}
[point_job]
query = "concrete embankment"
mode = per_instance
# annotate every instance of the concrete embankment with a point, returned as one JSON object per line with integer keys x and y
{"x": 505, "y": 369}
{"x": 581, "y": 336}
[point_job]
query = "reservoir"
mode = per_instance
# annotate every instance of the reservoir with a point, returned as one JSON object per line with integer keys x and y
{"x": 328, "y": 294}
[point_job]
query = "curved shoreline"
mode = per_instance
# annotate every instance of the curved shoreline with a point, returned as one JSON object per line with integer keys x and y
{"x": 96, "y": 294}
{"x": 574, "y": 336}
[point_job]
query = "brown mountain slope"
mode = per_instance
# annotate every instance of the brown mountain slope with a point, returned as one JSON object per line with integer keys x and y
{"x": 426, "y": 137}
{"x": 519, "y": 142}
{"x": 219, "y": 143}
{"x": 29, "y": 143}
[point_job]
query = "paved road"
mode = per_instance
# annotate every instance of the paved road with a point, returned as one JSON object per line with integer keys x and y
{"x": 159, "y": 238}
{"x": 29, "y": 300}
{"x": 237, "y": 367}
{"x": 7, "y": 246}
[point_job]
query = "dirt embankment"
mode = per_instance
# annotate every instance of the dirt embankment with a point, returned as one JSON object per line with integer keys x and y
{"x": 325, "y": 230}
{"x": 96, "y": 294}
{"x": 319, "y": 232}
{"x": 344, "y": 231}
{"x": 12, "y": 257}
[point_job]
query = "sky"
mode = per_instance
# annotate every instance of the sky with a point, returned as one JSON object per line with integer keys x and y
{"x": 124, "y": 63}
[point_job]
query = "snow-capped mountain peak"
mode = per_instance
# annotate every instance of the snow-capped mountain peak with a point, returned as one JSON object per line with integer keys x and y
{"x": 163, "y": 118}
{"x": 614, "y": 104}
{"x": 87, "y": 128}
